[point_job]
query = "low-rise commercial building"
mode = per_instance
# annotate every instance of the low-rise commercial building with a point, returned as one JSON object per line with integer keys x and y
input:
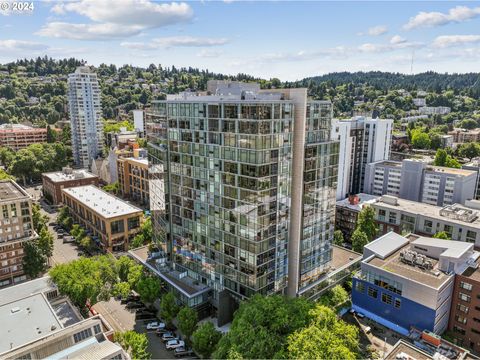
{"x": 346, "y": 212}
{"x": 460, "y": 222}
{"x": 16, "y": 228}
{"x": 17, "y": 136}
{"x": 416, "y": 180}
{"x": 133, "y": 179}
{"x": 54, "y": 182}
{"x": 434, "y": 110}
{"x": 407, "y": 282}
{"x": 464, "y": 135}
{"x": 110, "y": 221}
{"x": 38, "y": 323}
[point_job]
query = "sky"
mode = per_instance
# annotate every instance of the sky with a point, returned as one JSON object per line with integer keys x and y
{"x": 288, "y": 40}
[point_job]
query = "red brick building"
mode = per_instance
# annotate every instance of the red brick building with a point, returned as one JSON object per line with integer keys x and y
{"x": 54, "y": 182}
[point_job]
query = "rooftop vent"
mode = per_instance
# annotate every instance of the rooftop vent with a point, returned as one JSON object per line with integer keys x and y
{"x": 15, "y": 310}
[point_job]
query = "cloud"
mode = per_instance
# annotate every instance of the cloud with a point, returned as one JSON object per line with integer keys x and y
{"x": 431, "y": 19}
{"x": 377, "y": 30}
{"x": 114, "y": 19}
{"x": 397, "y": 39}
{"x": 208, "y": 53}
{"x": 377, "y": 48}
{"x": 175, "y": 41}
{"x": 21, "y": 45}
{"x": 454, "y": 40}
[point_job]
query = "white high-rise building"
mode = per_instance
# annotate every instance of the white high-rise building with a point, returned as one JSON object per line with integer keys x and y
{"x": 362, "y": 141}
{"x": 85, "y": 116}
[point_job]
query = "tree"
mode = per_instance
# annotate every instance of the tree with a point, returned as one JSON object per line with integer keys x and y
{"x": 168, "y": 308}
{"x": 45, "y": 242}
{"x": 205, "y": 339}
{"x": 327, "y": 337}
{"x": 51, "y": 135}
{"x": 187, "y": 321}
{"x": 469, "y": 150}
{"x": 420, "y": 140}
{"x": 121, "y": 289}
{"x": 39, "y": 220}
{"x": 469, "y": 124}
{"x": 113, "y": 188}
{"x": 134, "y": 343}
{"x": 366, "y": 222}
{"x": 148, "y": 287}
{"x": 338, "y": 237}
{"x": 442, "y": 235}
{"x": 335, "y": 296}
{"x": 261, "y": 327}
{"x": 440, "y": 158}
{"x": 33, "y": 259}
{"x": 359, "y": 240}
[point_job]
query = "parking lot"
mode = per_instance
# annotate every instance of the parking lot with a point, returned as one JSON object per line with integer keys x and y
{"x": 123, "y": 319}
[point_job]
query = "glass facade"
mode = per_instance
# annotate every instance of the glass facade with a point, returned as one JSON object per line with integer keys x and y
{"x": 220, "y": 183}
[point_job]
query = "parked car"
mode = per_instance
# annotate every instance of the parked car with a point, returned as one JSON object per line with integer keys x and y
{"x": 181, "y": 351}
{"x": 61, "y": 236}
{"x": 52, "y": 224}
{"x": 135, "y": 305}
{"x": 154, "y": 325}
{"x": 168, "y": 336}
{"x": 68, "y": 239}
{"x": 175, "y": 343}
{"x": 161, "y": 331}
{"x": 145, "y": 315}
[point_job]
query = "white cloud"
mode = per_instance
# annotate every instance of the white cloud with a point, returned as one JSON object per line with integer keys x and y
{"x": 115, "y": 18}
{"x": 377, "y": 48}
{"x": 454, "y": 40}
{"x": 175, "y": 41}
{"x": 432, "y": 19}
{"x": 88, "y": 31}
{"x": 21, "y": 45}
{"x": 377, "y": 30}
{"x": 397, "y": 39}
{"x": 208, "y": 53}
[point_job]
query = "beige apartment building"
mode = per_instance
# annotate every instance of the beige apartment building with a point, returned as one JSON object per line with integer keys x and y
{"x": 463, "y": 135}
{"x": 16, "y": 227}
{"x": 17, "y": 136}
{"x": 133, "y": 178}
{"x": 110, "y": 221}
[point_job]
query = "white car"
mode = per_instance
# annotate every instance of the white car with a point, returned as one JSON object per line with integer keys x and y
{"x": 175, "y": 343}
{"x": 154, "y": 325}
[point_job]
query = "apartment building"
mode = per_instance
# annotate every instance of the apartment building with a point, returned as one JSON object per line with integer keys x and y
{"x": 460, "y": 222}
{"x": 434, "y": 110}
{"x": 347, "y": 210}
{"x": 464, "y": 135}
{"x": 17, "y": 136}
{"x": 111, "y": 222}
{"x": 408, "y": 281}
{"x": 133, "y": 178}
{"x": 54, "y": 182}
{"x": 362, "y": 141}
{"x": 236, "y": 179}
{"x": 415, "y": 180}
{"x": 85, "y": 112}
{"x": 16, "y": 228}
{"x": 474, "y": 165}
{"x": 38, "y": 323}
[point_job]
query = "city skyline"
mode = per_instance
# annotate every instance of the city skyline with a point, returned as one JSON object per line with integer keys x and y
{"x": 275, "y": 39}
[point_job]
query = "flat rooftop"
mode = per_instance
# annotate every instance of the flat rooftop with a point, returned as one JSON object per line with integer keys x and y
{"x": 61, "y": 176}
{"x": 342, "y": 256}
{"x": 26, "y": 320}
{"x": 36, "y": 286}
{"x": 427, "y": 210}
{"x": 101, "y": 202}
{"x": 364, "y": 199}
{"x": 10, "y": 190}
{"x": 403, "y": 350}
{"x": 453, "y": 171}
{"x": 140, "y": 161}
{"x": 393, "y": 264}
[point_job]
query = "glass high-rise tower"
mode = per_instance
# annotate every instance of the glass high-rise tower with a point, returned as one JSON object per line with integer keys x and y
{"x": 242, "y": 185}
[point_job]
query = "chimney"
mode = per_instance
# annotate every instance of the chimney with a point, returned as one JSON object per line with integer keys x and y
{"x": 353, "y": 199}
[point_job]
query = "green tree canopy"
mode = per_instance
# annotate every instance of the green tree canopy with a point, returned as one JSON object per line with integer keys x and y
{"x": 187, "y": 321}
{"x": 366, "y": 222}
{"x": 327, "y": 337}
{"x": 134, "y": 344}
{"x": 261, "y": 326}
{"x": 168, "y": 308}
{"x": 359, "y": 240}
{"x": 34, "y": 262}
{"x": 205, "y": 339}
{"x": 148, "y": 287}
{"x": 335, "y": 296}
{"x": 420, "y": 140}
{"x": 469, "y": 150}
{"x": 442, "y": 235}
{"x": 45, "y": 242}
{"x": 338, "y": 237}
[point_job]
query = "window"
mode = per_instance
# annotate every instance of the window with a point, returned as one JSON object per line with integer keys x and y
{"x": 475, "y": 331}
{"x": 360, "y": 287}
{"x": 466, "y": 286}
{"x": 462, "y": 308}
{"x": 117, "y": 226}
{"x": 460, "y": 319}
{"x": 458, "y": 329}
{"x": 387, "y": 298}
{"x": 464, "y": 297}
{"x": 372, "y": 292}
{"x": 97, "y": 329}
{"x": 82, "y": 335}
{"x": 133, "y": 223}
{"x": 398, "y": 303}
